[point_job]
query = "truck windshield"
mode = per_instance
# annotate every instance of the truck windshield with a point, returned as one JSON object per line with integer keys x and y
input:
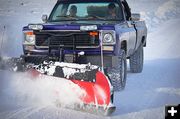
{"x": 108, "y": 11}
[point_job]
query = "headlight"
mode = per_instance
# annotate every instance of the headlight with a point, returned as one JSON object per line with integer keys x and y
{"x": 108, "y": 37}
{"x": 35, "y": 26}
{"x": 29, "y": 38}
{"x": 88, "y": 28}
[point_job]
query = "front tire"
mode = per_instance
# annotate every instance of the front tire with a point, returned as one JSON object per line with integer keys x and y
{"x": 118, "y": 73}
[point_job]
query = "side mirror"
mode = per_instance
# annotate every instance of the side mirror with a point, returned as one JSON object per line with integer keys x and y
{"x": 44, "y": 18}
{"x": 135, "y": 17}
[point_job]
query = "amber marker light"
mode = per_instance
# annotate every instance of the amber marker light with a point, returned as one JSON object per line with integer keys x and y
{"x": 93, "y": 33}
{"x": 29, "y": 33}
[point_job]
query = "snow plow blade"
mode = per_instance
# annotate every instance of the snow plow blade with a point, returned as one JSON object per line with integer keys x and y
{"x": 97, "y": 93}
{"x": 98, "y": 96}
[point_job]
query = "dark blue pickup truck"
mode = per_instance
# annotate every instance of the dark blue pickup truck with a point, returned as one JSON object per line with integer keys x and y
{"x": 84, "y": 31}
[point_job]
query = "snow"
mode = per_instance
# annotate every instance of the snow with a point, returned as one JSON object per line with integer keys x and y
{"x": 157, "y": 11}
{"x": 165, "y": 43}
{"x": 146, "y": 94}
{"x": 69, "y": 69}
{"x": 12, "y": 17}
{"x": 43, "y": 90}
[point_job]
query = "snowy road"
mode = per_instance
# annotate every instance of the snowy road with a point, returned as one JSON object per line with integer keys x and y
{"x": 146, "y": 93}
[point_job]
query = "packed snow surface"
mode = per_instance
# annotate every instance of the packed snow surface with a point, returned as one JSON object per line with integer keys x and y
{"x": 146, "y": 94}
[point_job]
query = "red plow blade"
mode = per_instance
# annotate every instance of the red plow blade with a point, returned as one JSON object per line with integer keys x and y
{"x": 98, "y": 96}
{"x": 97, "y": 93}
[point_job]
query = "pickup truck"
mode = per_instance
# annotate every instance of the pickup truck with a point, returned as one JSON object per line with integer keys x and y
{"x": 100, "y": 32}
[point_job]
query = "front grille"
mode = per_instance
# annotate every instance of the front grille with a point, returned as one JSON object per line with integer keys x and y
{"x": 66, "y": 39}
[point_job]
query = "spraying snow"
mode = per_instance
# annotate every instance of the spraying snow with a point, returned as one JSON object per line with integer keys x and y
{"x": 43, "y": 90}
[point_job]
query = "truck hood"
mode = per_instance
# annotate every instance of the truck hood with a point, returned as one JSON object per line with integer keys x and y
{"x": 74, "y": 26}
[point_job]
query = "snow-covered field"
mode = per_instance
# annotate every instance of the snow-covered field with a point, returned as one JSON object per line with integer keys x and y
{"x": 145, "y": 95}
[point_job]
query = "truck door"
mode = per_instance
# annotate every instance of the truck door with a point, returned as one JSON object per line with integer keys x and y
{"x": 131, "y": 29}
{"x": 139, "y": 26}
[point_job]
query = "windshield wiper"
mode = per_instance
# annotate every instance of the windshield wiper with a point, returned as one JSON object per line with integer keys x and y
{"x": 62, "y": 16}
{"x": 67, "y": 18}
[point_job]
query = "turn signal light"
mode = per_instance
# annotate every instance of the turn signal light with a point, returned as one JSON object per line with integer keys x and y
{"x": 93, "y": 33}
{"x": 29, "y": 33}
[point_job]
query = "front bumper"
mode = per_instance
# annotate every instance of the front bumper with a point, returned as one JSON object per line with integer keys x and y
{"x": 94, "y": 59}
{"x": 32, "y": 50}
{"x": 91, "y": 55}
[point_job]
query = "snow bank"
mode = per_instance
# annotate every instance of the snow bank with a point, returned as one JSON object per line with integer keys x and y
{"x": 15, "y": 15}
{"x": 164, "y": 43}
{"x": 156, "y": 12}
{"x": 169, "y": 90}
{"x": 168, "y": 9}
{"x": 44, "y": 90}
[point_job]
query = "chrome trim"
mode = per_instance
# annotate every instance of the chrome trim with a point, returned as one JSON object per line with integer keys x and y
{"x": 103, "y": 32}
{"x": 59, "y": 30}
{"x": 89, "y": 47}
{"x": 24, "y": 31}
{"x": 28, "y": 44}
{"x": 41, "y": 46}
